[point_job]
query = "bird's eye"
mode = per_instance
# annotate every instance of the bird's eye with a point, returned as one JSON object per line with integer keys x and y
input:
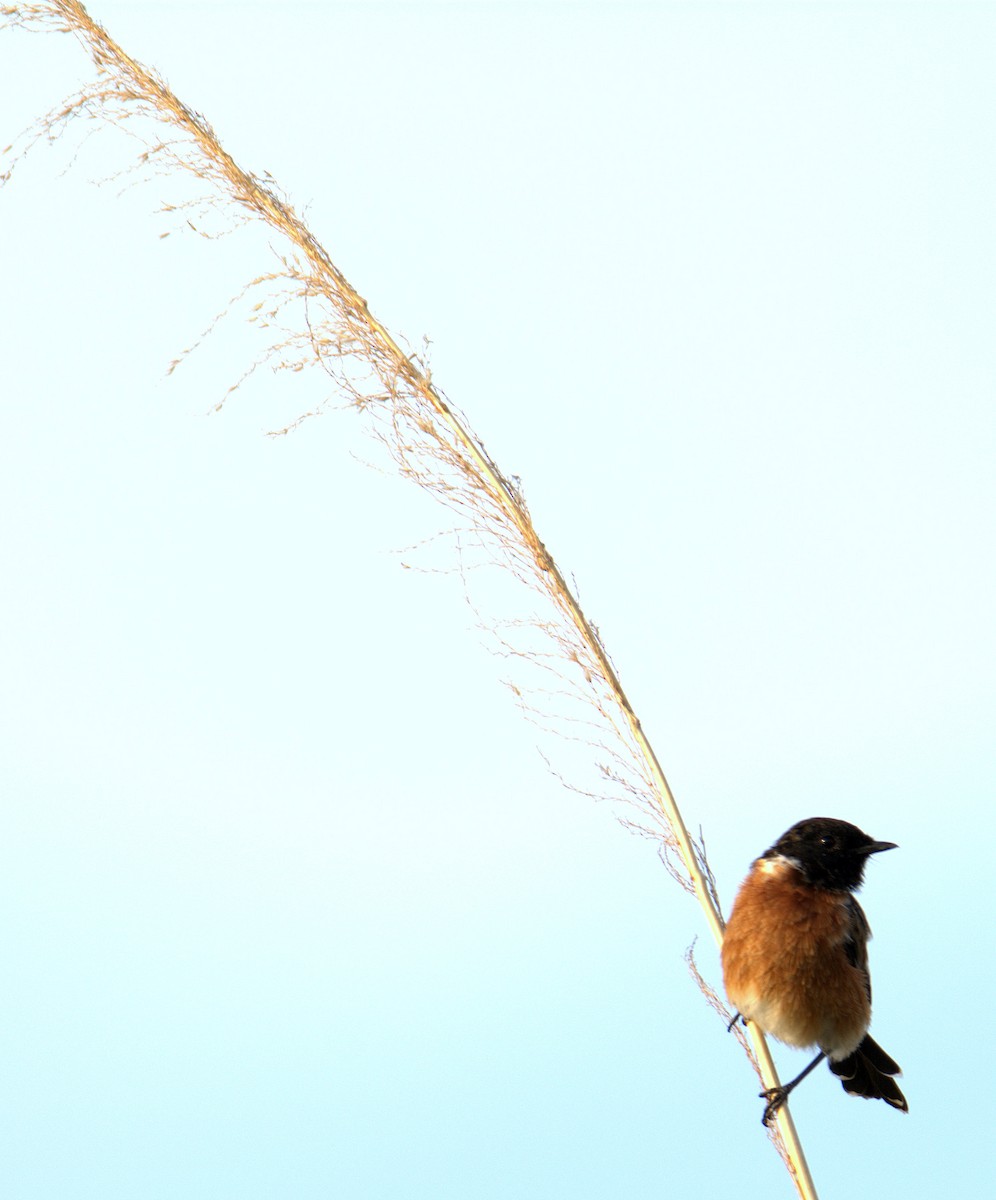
{"x": 828, "y": 841}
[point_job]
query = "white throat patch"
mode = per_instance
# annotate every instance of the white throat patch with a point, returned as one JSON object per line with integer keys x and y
{"x": 778, "y": 864}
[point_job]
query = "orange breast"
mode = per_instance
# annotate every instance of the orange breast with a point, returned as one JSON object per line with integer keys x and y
{"x": 785, "y": 964}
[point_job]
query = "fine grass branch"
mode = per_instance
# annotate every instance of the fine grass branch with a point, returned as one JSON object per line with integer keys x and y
{"x": 314, "y": 317}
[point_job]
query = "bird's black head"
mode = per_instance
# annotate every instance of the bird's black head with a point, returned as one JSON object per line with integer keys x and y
{"x": 829, "y": 853}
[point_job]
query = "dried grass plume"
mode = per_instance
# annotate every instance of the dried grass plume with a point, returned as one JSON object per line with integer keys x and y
{"x": 316, "y": 319}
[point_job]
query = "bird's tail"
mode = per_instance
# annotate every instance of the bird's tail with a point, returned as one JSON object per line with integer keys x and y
{"x": 868, "y": 1072}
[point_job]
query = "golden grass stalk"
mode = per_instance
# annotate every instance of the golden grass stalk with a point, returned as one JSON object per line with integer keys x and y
{"x": 431, "y": 443}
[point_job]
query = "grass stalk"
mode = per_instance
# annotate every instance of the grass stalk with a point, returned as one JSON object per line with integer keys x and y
{"x": 432, "y": 444}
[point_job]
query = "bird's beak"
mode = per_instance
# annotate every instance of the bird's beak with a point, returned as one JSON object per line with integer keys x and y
{"x": 875, "y": 847}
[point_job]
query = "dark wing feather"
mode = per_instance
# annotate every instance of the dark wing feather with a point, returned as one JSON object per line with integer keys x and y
{"x": 856, "y": 941}
{"x": 869, "y": 1070}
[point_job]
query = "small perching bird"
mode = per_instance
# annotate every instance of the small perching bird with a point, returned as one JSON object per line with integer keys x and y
{"x": 795, "y": 956}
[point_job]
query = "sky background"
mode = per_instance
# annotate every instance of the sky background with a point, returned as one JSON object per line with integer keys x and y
{"x": 290, "y": 905}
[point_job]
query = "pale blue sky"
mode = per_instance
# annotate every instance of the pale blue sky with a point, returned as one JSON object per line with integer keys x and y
{"x": 289, "y": 904}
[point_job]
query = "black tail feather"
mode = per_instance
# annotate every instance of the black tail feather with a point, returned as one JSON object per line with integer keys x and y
{"x": 868, "y": 1072}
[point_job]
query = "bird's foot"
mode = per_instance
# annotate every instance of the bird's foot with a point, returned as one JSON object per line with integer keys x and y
{"x": 775, "y": 1097}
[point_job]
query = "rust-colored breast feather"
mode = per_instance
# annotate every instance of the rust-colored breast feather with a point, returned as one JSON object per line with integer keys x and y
{"x": 788, "y": 960}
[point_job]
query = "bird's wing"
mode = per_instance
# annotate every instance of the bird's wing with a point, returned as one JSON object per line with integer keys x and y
{"x": 856, "y": 941}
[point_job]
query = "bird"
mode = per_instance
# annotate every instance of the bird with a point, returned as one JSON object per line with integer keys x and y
{"x": 795, "y": 957}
